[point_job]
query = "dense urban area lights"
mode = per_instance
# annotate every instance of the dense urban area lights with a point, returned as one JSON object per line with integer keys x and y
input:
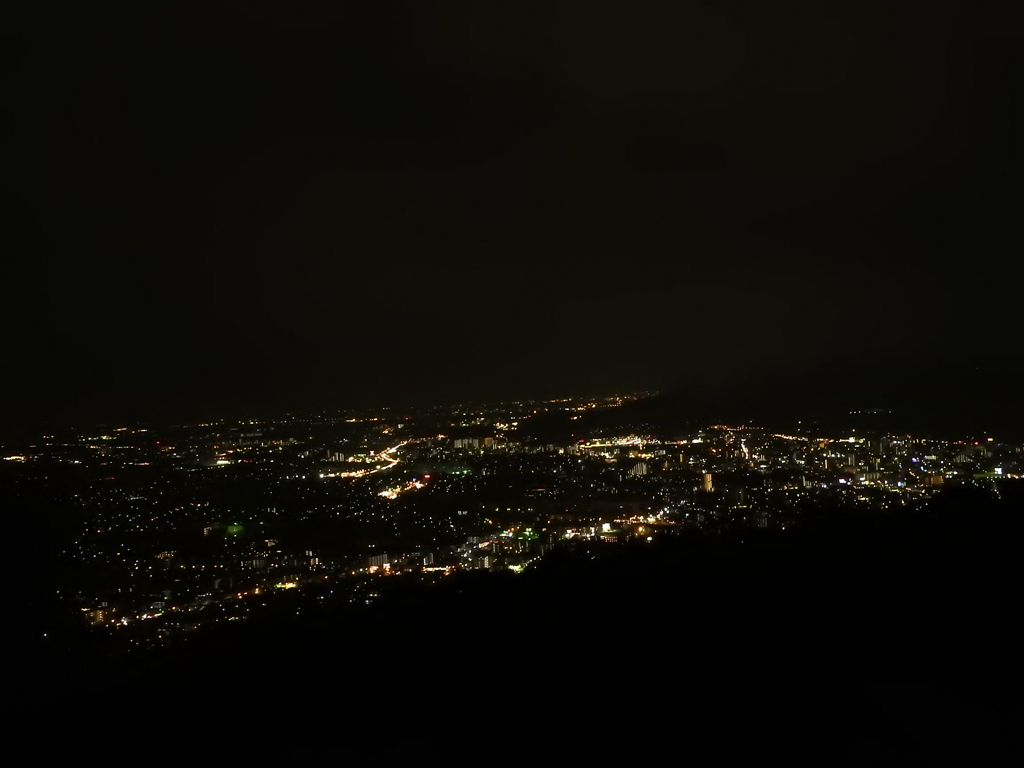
{"x": 212, "y": 522}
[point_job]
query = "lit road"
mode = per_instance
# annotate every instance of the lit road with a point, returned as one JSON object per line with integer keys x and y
{"x": 386, "y": 456}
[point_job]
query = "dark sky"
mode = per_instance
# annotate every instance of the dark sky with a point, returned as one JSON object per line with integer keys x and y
{"x": 254, "y": 205}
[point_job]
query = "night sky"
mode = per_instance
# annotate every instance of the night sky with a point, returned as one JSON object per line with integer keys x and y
{"x": 238, "y": 206}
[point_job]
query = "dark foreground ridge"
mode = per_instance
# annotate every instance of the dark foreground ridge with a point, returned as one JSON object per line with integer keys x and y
{"x": 861, "y": 638}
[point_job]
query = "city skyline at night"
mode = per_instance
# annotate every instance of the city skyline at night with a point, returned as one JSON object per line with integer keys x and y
{"x": 515, "y": 378}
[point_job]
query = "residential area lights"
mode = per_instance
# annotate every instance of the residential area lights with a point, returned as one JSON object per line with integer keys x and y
{"x": 484, "y": 499}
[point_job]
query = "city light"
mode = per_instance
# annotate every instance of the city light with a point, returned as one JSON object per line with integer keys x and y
{"x": 458, "y": 496}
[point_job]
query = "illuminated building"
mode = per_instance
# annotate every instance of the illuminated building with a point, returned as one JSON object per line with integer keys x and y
{"x": 708, "y": 484}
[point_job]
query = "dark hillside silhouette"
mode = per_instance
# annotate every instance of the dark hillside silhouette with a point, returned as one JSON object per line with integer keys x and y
{"x": 844, "y": 636}
{"x": 947, "y": 397}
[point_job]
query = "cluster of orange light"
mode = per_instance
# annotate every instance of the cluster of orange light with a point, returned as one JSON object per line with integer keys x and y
{"x": 391, "y": 493}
